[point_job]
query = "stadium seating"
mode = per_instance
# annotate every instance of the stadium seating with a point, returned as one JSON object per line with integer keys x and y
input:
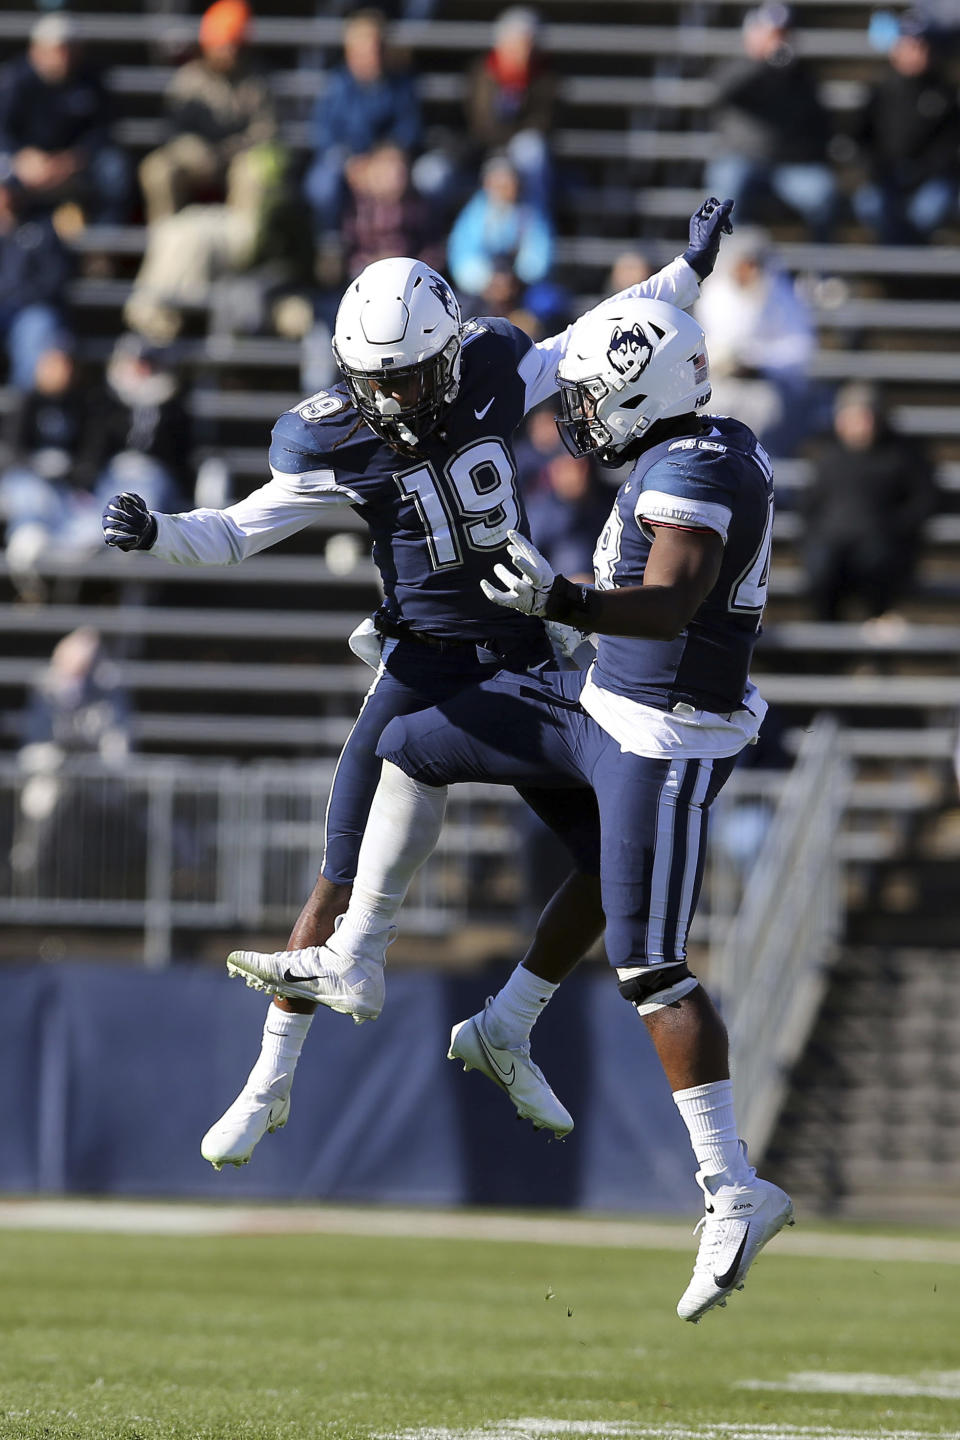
{"x": 251, "y": 661}
{"x": 633, "y": 131}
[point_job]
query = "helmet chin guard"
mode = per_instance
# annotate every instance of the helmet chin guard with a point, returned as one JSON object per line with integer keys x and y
{"x": 397, "y": 342}
{"x": 628, "y": 364}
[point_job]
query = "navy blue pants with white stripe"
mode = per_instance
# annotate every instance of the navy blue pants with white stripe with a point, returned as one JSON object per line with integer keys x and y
{"x": 412, "y": 676}
{"x": 649, "y": 816}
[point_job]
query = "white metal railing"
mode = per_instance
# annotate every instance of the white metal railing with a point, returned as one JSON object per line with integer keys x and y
{"x": 159, "y": 846}
{"x": 769, "y": 972}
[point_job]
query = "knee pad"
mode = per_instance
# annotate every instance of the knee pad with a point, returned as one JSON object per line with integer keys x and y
{"x": 655, "y": 986}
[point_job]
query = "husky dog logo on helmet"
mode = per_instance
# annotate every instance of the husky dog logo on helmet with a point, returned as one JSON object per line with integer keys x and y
{"x": 629, "y": 350}
{"x": 445, "y": 295}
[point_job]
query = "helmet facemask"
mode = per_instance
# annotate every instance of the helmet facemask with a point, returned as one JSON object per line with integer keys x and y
{"x": 397, "y": 341}
{"x": 424, "y": 390}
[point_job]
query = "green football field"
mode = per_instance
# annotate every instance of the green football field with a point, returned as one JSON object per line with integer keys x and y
{"x": 267, "y": 1337}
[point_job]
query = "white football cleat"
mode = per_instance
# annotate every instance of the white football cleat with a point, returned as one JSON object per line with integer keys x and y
{"x": 740, "y": 1218}
{"x": 232, "y": 1139}
{"x": 353, "y": 985}
{"x": 513, "y": 1071}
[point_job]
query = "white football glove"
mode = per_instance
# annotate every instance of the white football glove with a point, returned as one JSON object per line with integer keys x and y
{"x": 571, "y": 644}
{"x": 528, "y": 586}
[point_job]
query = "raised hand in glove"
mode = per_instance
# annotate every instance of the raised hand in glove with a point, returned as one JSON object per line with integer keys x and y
{"x": 533, "y": 588}
{"x": 709, "y": 223}
{"x": 128, "y": 524}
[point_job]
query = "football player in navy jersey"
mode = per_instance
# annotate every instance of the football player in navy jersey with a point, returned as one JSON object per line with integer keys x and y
{"x": 638, "y": 747}
{"x": 417, "y": 439}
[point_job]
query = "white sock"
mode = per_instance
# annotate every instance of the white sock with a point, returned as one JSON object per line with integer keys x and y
{"x": 707, "y": 1112}
{"x": 283, "y": 1037}
{"x": 514, "y": 1010}
{"x": 402, "y": 830}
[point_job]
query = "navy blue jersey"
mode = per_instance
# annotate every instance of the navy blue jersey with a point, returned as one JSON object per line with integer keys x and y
{"x": 721, "y": 480}
{"x": 439, "y": 520}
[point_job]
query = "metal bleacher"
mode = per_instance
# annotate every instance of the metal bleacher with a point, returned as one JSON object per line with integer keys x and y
{"x": 251, "y": 661}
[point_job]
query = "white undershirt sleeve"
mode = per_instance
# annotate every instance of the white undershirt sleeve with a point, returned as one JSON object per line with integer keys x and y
{"x": 286, "y": 504}
{"x": 676, "y": 284}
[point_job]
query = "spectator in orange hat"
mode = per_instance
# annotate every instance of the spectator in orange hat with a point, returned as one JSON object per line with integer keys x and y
{"x": 220, "y": 116}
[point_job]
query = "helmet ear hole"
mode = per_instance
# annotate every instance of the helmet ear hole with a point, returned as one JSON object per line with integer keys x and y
{"x": 633, "y": 402}
{"x": 656, "y": 330}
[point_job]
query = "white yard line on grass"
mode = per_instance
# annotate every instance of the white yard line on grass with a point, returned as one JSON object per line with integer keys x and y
{"x": 121, "y": 1217}
{"x": 546, "y": 1429}
{"x": 936, "y": 1385}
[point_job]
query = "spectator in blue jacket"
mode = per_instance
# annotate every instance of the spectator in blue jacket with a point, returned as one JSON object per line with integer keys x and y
{"x": 364, "y": 104}
{"x": 54, "y": 127}
{"x": 497, "y": 228}
{"x": 34, "y": 268}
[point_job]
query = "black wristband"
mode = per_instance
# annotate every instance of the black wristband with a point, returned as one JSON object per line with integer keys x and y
{"x": 569, "y": 603}
{"x": 148, "y": 538}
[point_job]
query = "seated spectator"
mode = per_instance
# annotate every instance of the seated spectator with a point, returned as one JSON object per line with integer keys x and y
{"x": 909, "y": 138}
{"x": 54, "y": 135}
{"x": 71, "y": 447}
{"x": 865, "y": 508}
{"x": 773, "y": 133}
{"x": 761, "y": 339}
{"x": 78, "y": 707}
{"x": 40, "y": 497}
{"x": 541, "y": 309}
{"x": 567, "y": 513}
{"x": 221, "y": 118}
{"x": 631, "y": 267}
{"x": 34, "y": 269}
{"x": 364, "y": 103}
{"x": 385, "y": 216}
{"x": 538, "y": 444}
{"x": 188, "y": 254}
{"x": 497, "y": 229}
{"x": 140, "y": 435}
{"x": 510, "y": 103}
{"x": 78, "y": 704}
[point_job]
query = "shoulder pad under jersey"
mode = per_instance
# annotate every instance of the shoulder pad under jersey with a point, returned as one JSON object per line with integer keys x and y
{"x": 312, "y": 429}
{"x": 490, "y": 340}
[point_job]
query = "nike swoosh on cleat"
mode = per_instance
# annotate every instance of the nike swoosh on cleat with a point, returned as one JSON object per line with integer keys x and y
{"x": 480, "y": 413}
{"x": 507, "y": 1079}
{"x": 723, "y": 1282}
{"x": 290, "y": 978}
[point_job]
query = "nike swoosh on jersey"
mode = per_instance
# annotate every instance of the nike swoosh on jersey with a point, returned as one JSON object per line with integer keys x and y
{"x": 480, "y": 413}
{"x": 724, "y": 1281}
{"x": 507, "y": 1078}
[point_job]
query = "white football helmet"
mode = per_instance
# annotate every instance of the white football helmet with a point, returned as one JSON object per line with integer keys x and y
{"x": 397, "y": 342}
{"x": 627, "y": 364}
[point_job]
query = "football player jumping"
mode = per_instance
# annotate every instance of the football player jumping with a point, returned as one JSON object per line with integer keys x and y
{"x": 642, "y": 742}
{"x": 417, "y": 439}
